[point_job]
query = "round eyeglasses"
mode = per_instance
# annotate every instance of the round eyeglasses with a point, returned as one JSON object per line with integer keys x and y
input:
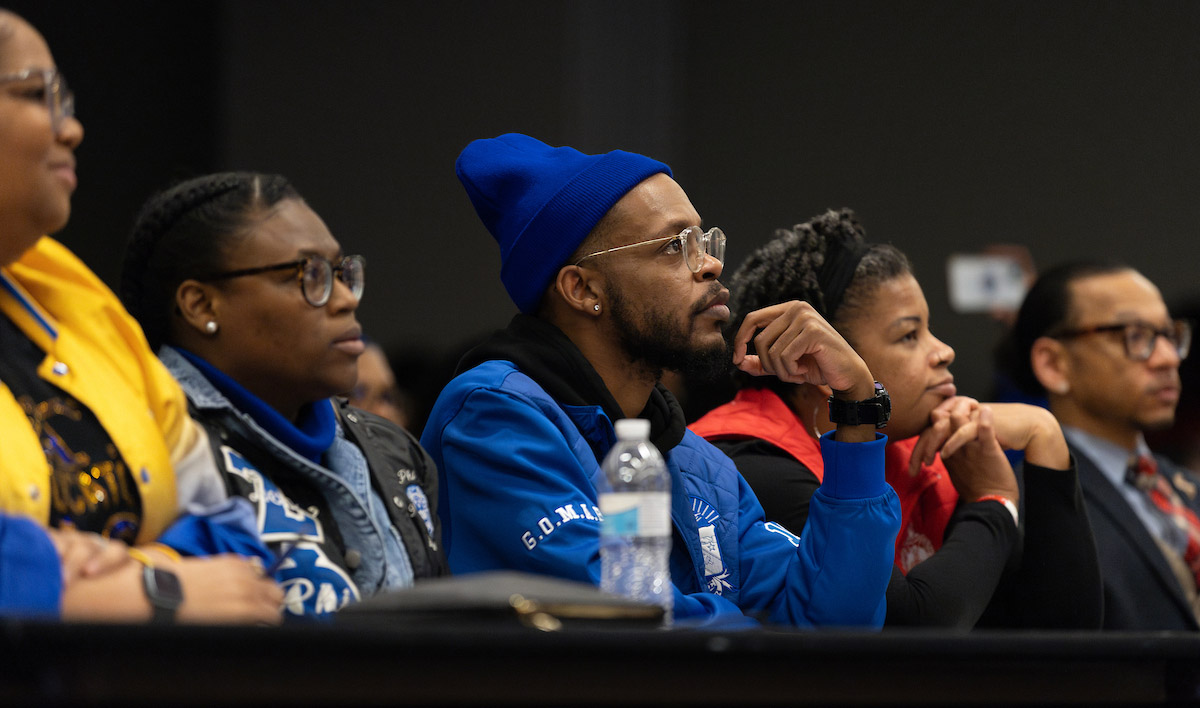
{"x": 694, "y": 241}
{"x": 60, "y": 101}
{"x": 315, "y": 274}
{"x": 1140, "y": 338}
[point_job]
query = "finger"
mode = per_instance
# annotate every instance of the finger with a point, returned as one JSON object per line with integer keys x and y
{"x": 939, "y": 433}
{"x": 273, "y": 593}
{"x": 801, "y": 348}
{"x": 74, "y": 557}
{"x": 986, "y": 424}
{"x": 752, "y": 322}
{"x": 929, "y": 442}
{"x": 111, "y": 555}
{"x": 768, "y": 344}
{"x": 75, "y": 549}
{"x": 959, "y": 416}
{"x": 270, "y": 597}
{"x": 751, "y": 364}
{"x": 918, "y": 454}
{"x": 799, "y": 360}
{"x": 256, "y": 564}
{"x": 962, "y": 407}
{"x": 829, "y": 359}
{"x": 780, "y": 325}
{"x": 965, "y": 434}
{"x": 944, "y": 407}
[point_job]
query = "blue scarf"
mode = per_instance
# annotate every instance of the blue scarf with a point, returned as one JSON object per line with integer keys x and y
{"x": 310, "y": 436}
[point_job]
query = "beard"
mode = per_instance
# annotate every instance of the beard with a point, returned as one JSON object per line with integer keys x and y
{"x": 657, "y": 340}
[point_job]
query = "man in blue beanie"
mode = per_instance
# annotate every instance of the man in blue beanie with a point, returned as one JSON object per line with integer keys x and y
{"x": 616, "y": 281}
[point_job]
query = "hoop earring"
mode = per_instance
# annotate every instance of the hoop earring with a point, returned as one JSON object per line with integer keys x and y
{"x": 816, "y": 412}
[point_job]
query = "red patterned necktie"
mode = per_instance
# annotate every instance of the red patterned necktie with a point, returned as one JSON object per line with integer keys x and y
{"x": 1143, "y": 474}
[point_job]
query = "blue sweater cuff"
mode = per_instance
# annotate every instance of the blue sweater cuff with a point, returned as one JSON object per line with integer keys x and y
{"x": 30, "y": 571}
{"x": 853, "y": 470}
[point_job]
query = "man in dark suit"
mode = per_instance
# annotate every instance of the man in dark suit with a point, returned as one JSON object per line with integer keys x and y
{"x": 1098, "y": 341}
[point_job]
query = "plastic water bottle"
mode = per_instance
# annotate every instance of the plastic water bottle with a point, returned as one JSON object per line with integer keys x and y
{"x": 635, "y": 536}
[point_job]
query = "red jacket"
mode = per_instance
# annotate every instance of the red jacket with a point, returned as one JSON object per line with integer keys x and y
{"x": 926, "y": 500}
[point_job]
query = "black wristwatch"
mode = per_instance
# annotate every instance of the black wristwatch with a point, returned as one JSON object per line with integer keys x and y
{"x": 164, "y": 593}
{"x": 873, "y": 411}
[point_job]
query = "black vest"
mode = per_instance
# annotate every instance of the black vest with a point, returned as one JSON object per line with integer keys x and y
{"x": 396, "y": 461}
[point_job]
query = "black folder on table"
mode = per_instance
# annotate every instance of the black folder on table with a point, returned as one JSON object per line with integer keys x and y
{"x": 505, "y": 597}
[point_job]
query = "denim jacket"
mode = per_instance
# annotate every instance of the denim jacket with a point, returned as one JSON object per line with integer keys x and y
{"x": 383, "y": 555}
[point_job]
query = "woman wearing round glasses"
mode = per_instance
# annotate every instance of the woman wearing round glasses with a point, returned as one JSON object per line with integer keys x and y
{"x": 251, "y": 303}
{"x": 96, "y": 447}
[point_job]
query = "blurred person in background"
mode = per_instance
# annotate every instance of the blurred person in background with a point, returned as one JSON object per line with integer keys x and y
{"x": 1097, "y": 339}
{"x": 376, "y": 391}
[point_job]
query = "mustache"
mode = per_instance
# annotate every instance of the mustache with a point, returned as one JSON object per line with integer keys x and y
{"x": 707, "y": 299}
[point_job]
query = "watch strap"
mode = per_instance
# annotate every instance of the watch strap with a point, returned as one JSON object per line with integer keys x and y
{"x": 875, "y": 411}
{"x": 162, "y": 587}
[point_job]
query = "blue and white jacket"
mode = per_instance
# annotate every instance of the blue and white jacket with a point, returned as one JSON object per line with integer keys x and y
{"x": 373, "y": 477}
{"x": 518, "y": 441}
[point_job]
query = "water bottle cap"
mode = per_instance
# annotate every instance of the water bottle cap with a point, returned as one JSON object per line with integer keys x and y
{"x": 633, "y": 429}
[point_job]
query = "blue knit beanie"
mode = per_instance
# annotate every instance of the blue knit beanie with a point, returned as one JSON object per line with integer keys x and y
{"x": 541, "y": 202}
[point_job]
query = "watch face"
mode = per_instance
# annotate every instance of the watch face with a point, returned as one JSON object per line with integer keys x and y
{"x": 166, "y": 590}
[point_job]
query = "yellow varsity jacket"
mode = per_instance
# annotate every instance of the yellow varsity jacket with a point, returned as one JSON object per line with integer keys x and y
{"x": 97, "y": 353}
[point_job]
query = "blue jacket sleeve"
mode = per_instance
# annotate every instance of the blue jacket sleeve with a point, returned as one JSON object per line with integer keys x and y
{"x": 226, "y": 527}
{"x": 30, "y": 570}
{"x": 836, "y": 572}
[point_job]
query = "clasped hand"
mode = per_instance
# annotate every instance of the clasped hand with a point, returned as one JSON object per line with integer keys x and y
{"x": 971, "y": 437}
{"x": 101, "y": 581}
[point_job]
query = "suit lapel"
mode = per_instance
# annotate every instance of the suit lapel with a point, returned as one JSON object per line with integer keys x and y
{"x": 1108, "y": 501}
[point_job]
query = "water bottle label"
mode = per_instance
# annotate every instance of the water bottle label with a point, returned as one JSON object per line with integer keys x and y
{"x": 636, "y": 514}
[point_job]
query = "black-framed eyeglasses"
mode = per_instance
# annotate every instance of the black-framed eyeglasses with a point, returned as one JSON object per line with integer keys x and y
{"x": 315, "y": 274}
{"x": 60, "y": 101}
{"x": 1140, "y": 338}
{"x": 694, "y": 241}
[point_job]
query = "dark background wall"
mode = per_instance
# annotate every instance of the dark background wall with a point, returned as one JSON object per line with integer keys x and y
{"x": 1068, "y": 127}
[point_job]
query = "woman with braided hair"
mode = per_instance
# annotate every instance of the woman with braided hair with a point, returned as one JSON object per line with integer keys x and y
{"x": 96, "y": 448}
{"x": 250, "y": 302}
{"x": 966, "y": 554}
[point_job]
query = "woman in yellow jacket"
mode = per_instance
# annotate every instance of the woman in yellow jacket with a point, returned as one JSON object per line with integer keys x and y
{"x": 97, "y": 447}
